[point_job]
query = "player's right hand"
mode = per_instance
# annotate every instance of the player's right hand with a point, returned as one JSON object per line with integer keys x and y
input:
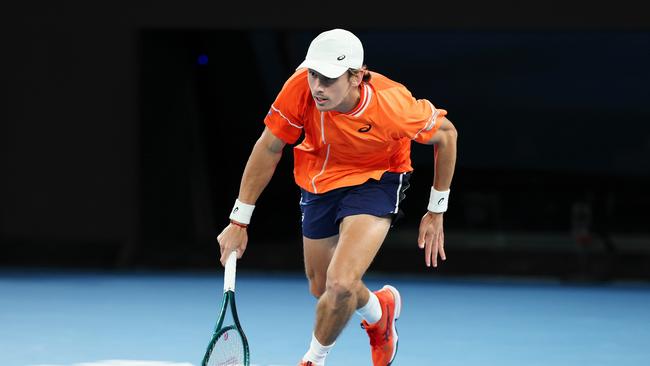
{"x": 232, "y": 238}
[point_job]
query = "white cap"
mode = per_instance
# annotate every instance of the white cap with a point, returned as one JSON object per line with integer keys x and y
{"x": 333, "y": 52}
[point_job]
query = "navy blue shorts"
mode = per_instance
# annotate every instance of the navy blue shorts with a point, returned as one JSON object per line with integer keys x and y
{"x": 322, "y": 213}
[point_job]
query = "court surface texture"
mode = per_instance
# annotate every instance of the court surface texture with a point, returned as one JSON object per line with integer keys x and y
{"x": 79, "y": 318}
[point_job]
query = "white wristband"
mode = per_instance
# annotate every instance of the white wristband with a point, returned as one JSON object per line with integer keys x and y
{"x": 438, "y": 201}
{"x": 242, "y": 212}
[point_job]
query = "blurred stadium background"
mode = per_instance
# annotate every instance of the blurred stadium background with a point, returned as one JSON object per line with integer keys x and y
{"x": 125, "y": 127}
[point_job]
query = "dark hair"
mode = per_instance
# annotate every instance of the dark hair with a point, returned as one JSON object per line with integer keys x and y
{"x": 364, "y": 69}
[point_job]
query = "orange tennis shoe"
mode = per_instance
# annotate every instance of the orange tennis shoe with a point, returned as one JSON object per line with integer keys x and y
{"x": 383, "y": 334}
{"x": 306, "y": 363}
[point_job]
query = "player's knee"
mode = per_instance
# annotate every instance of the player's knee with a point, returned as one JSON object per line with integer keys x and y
{"x": 341, "y": 288}
{"x": 316, "y": 287}
{"x": 316, "y": 283}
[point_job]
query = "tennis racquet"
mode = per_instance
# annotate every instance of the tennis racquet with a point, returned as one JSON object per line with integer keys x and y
{"x": 228, "y": 346}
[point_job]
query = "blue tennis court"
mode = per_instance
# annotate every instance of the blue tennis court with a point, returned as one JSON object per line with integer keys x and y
{"x": 154, "y": 319}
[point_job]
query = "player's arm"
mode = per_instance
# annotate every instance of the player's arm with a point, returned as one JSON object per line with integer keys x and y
{"x": 258, "y": 172}
{"x": 444, "y": 141}
{"x": 431, "y": 235}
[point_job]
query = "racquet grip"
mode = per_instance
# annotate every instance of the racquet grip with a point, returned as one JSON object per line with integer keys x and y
{"x": 229, "y": 274}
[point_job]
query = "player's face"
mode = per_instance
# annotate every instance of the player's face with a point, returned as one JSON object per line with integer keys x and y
{"x": 333, "y": 94}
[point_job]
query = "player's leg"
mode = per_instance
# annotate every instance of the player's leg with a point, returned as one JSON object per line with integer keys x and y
{"x": 359, "y": 241}
{"x": 320, "y": 235}
{"x": 364, "y": 213}
{"x": 318, "y": 255}
{"x": 379, "y": 309}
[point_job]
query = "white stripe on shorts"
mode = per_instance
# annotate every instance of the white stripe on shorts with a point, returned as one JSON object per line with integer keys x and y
{"x": 399, "y": 188}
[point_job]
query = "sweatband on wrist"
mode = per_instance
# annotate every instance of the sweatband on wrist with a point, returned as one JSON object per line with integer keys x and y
{"x": 438, "y": 201}
{"x": 242, "y": 212}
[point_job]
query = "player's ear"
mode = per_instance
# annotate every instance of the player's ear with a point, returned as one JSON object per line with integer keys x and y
{"x": 356, "y": 78}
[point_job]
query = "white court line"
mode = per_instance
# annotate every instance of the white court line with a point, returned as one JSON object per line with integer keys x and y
{"x": 130, "y": 363}
{"x": 124, "y": 363}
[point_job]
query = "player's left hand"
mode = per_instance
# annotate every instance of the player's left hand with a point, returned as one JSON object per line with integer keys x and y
{"x": 431, "y": 238}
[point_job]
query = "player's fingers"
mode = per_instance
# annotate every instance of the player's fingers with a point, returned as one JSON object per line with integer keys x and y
{"x": 421, "y": 237}
{"x": 240, "y": 251}
{"x": 441, "y": 246}
{"x": 223, "y": 258}
{"x": 222, "y": 234}
{"x": 221, "y": 248}
{"x": 226, "y": 249}
{"x": 434, "y": 250}
{"x": 422, "y": 232}
{"x": 428, "y": 249}
{"x": 221, "y": 240}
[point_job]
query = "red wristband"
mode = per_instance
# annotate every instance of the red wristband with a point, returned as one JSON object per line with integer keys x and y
{"x": 238, "y": 224}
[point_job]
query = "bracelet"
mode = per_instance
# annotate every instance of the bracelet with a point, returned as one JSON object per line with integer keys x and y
{"x": 242, "y": 212}
{"x": 238, "y": 224}
{"x": 438, "y": 201}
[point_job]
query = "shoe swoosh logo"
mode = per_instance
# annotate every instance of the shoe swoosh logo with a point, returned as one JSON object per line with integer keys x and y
{"x": 388, "y": 317}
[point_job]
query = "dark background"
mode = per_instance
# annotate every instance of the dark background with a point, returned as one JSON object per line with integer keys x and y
{"x": 119, "y": 150}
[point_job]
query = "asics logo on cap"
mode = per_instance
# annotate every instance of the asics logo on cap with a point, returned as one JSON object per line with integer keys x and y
{"x": 333, "y": 52}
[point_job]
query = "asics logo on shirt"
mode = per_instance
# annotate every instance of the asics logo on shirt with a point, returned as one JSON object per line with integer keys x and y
{"x": 365, "y": 128}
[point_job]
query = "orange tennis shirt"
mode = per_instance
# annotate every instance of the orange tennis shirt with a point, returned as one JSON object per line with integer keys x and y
{"x": 347, "y": 149}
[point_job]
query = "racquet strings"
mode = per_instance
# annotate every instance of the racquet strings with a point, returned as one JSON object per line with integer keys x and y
{"x": 228, "y": 349}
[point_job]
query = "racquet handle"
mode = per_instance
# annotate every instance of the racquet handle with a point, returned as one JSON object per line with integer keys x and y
{"x": 229, "y": 274}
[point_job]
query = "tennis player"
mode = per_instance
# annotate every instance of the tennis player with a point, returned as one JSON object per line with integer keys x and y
{"x": 352, "y": 167}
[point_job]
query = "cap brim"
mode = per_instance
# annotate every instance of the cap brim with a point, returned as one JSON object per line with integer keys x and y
{"x": 323, "y": 68}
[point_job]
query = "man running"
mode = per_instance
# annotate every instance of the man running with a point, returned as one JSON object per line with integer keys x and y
{"x": 352, "y": 167}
